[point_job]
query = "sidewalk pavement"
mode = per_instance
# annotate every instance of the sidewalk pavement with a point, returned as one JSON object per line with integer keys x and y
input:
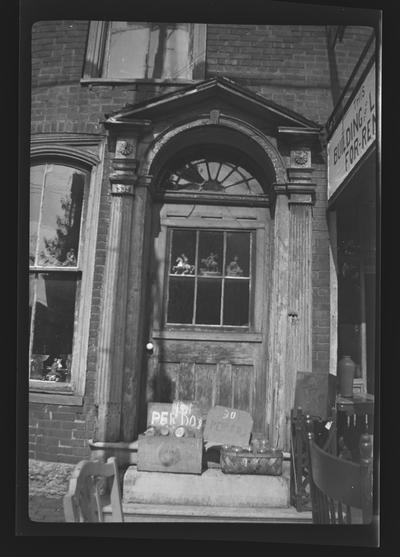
{"x": 46, "y": 509}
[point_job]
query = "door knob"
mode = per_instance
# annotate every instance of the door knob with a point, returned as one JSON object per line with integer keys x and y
{"x": 149, "y": 347}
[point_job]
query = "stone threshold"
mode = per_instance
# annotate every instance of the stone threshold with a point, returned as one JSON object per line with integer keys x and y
{"x": 139, "y": 512}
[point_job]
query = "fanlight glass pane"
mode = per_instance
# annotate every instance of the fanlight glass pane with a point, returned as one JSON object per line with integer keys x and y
{"x": 213, "y": 175}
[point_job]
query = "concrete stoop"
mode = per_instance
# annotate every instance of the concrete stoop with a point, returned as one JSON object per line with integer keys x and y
{"x": 210, "y": 497}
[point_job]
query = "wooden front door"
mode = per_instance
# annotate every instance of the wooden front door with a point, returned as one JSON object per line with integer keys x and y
{"x": 209, "y": 306}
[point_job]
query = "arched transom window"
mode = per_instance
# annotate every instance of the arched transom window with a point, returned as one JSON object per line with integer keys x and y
{"x": 213, "y": 174}
{"x": 212, "y": 169}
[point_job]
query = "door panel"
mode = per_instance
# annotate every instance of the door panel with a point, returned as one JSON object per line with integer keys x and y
{"x": 211, "y": 364}
{"x": 208, "y": 383}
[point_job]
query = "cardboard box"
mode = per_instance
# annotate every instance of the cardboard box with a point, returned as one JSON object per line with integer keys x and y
{"x": 170, "y": 454}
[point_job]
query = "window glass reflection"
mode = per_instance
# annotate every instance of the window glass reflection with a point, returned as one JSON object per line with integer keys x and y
{"x": 183, "y": 252}
{"x": 236, "y": 302}
{"x": 53, "y": 300}
{"x": 210, "y": 253}
{"x": 180, "y": 300}
{"x": 221, "y": 278}
{"x": 208, "y": 302}
{"x": 237, "y": 254}
{"x": 60, "y": 216}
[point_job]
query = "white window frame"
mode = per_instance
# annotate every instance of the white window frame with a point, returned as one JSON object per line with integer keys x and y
{"x": 96, "y": 51}
{"x": 72, "y": 393}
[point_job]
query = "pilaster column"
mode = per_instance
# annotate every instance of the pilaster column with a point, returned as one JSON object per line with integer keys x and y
{"x": 112, "y": 329}
{"x": 299, "y": 334}
{"x": 291, "y": 297}
{"x": 278, "y": 318}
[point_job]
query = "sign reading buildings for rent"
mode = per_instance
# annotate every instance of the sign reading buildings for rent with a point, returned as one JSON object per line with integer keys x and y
{"x": 354, "y": 134}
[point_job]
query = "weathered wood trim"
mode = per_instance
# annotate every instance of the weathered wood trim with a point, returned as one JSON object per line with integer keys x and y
{"x": 199, "y": 50}
{"x": 214, "y": 199}
{"x": 137, "y": 286}
{"x": 275, "y": 404}
{"x": 213, "y": 223}
{"x": 299, "y": 334}
{"x": 112, "y": 321}
{"x": 55, "y": 398}
{"x": 96, "y": 42}
{"x": 333, "y": 293}
{"x": 225, "y": 336}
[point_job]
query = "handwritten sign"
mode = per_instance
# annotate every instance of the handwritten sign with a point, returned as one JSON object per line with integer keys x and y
{"x": 228, "y": 426}
{"x": 354, "y": 134}
{"x": 179, "y": 413}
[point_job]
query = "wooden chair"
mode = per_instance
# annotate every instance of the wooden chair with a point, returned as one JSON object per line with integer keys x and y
{"x": 93, "y": 485}
{"x": 340, "y": 487}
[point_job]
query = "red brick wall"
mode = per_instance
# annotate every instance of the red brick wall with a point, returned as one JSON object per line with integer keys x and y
{"x": 286, "y": 64}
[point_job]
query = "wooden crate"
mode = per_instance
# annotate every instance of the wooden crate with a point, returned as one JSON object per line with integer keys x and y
{"x": 170, "y": 454}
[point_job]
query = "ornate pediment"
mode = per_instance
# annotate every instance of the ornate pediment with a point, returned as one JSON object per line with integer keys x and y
{"x": 217, "y": 94}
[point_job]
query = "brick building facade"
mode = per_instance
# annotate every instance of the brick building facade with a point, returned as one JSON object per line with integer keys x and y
{"x": 288, "y": 67}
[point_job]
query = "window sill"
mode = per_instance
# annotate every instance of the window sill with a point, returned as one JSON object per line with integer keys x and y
{"x": 127, "y": 81}
{"x": 53, "y": 393}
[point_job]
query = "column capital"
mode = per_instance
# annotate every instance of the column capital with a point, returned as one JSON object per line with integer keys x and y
{"x": 123, "y": 176}
{"x": 299, "y": 192}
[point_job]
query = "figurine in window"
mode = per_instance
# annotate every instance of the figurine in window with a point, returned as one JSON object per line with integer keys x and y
{"x": 70, "y": 259}
{"x": 233, "y": 268}
{"x": 210, "y": 264}
{"x": 55, "y": 373}
{"x": 182, "y": 266}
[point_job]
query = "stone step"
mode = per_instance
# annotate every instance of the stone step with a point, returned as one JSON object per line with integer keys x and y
{"x": 138, "y": 512}
{"x": 212, "y": 488}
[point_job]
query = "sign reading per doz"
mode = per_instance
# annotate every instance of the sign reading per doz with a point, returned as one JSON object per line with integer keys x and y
{"x": 179, "y": 413}
{"x": 227, "y": 426}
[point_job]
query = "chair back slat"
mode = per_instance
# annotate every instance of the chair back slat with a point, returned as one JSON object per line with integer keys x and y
{"x": 338, "y": 487}
{"x": 87, "y": 492}
{"x": 338, "y": 479}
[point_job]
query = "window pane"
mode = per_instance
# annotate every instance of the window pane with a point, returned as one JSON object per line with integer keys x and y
{"x": 210, "y": 253}
{"x": 208, "y": 304}
{"x": 183, "y": 252}
{"x": 128, "y": 49}
{"x": 177, "y": 62}
{"x": 61, "y": 216}
{"x": 36, "y": 190}
{"x": 54, "y": 315}
{"x": 237, "y": 254}
{"x": 236, "y": 302}
{"x": 180, "y": 301}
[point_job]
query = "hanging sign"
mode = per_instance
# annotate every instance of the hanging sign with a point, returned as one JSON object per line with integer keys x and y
{"x": 355, "y": 133}
{"x": 227, "y": 426}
